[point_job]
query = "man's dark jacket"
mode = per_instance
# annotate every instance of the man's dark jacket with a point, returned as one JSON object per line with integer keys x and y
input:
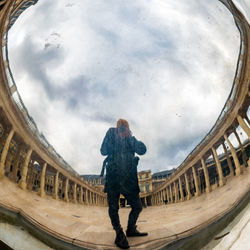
{"x": 121, "y": 168}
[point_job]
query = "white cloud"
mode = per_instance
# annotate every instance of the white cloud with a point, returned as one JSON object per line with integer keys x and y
{"x": 166, "y": 66}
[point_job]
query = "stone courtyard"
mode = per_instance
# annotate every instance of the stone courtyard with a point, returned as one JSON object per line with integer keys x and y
{"x": 89, "y": 226}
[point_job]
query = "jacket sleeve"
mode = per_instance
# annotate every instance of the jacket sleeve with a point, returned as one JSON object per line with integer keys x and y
{"x": 138, "y": 146}
{"x": 107, "y": 147}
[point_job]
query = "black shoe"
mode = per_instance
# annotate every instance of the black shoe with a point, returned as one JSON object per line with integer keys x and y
{"x": 133, "y": 232}
{"x": 121, "y": 240}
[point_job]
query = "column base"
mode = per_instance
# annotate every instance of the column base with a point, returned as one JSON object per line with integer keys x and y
{"x": 238, "y": 171}
{"x": 22, "y": 185}
{"x": 197, "y": 194}
{"x": 222, "y": 183}
{"x": 41, "y": 194}
{"x": 55, "y": 196}
{"x": 188, "y": 197}
{"x": 208, "y": 189}
{"x": 66, "y": 199}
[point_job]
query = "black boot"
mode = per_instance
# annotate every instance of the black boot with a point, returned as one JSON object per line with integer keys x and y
{"x": 121, "y": 240}
{"x": 133, "y": 232}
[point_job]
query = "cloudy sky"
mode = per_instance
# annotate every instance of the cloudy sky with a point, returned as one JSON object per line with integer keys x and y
{"x": 166, "y": 66}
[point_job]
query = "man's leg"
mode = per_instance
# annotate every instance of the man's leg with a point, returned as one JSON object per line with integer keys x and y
{"x": 135, "y": 203}
{"x": 113, "y": 199}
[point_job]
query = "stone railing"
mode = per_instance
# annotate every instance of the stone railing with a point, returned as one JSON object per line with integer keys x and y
{"x": 196, "y": 175}
{"x": 27, "y": 158}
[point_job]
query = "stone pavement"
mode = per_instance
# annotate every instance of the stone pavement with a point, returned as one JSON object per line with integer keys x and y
{"x": 89, "y": 226}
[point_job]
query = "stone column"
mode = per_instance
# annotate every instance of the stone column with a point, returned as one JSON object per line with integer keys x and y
{"x": 22, "y": 184}
{"x": 181, "y": 190}
{"x": 4, "y": 152}
{"x": 171, "y": 193}
{"x": 74, "y": 195}
{"x": 41, "y": 191}
{"x": 228, "y": 160}
{"x": 81, "y": 195}
{"x": 219, "y": 169}
{"x": 86, "y": 197}
{"x": 90, "y": 198}
{"x": 176, "y": 194}
{"x": 206, "y": 174}
{"x": 55, "y": 194}
{"x": 8, "y": 163}
{"x": 243, "y": 125}
{"x": 66, "y": 189}
{"x": 13, "y": 174}
{"x": 198, "y": 192}
{"x": 145, "y": 201}
{"x": 244, "y": 156}
{"x": 235, "y": 157}
{"x": 1, "y": 141}
{"x": 187, "y": 187}
{"x": 30, "y": 175}
{"x": 168, "y": 196}
{"x": 162, "y": 197}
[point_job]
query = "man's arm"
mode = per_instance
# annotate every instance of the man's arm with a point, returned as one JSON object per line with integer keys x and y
{"x": 107, "y": 147}
{"x": 138, "y": 146}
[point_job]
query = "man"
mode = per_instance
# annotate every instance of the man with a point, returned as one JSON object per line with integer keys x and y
{"x": 121, "y": 177}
